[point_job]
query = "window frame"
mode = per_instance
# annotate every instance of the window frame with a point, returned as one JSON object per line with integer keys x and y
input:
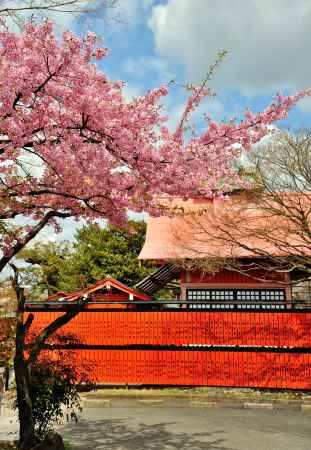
{"x": 263, "y": 298}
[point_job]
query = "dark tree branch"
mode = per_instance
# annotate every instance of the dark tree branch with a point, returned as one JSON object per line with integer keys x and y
{"x": 38, "y": 343}
{"x": 35, "y": 230}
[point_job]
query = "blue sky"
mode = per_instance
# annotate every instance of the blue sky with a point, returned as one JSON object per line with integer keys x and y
{"x": 157, "y": 41}
{"x": 153, "y": 42}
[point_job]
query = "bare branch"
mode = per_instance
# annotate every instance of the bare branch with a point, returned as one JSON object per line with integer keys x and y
{"x": 266, "y": 229}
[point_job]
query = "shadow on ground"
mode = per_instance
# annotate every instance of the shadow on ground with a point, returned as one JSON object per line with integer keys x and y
{"x": 116, "y": 435}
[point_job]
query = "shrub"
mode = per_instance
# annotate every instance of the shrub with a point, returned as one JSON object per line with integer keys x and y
{"x": 54, "y": 386}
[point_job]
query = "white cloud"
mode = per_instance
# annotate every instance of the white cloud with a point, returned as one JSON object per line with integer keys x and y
{"x": 143, "y": 66}
{"x": 268, "y": 41}
{"x": 128, "y": 12}
{"x": 174, "y": 103}
{"x": 212, "y": 107}
{"x": 174, "y": 107}
{"x": 132, "y": 91}
{"x": 69, "y": 228}
{"x": 305, "y": 105}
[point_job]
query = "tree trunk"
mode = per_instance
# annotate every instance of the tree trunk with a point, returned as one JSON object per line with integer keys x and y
{"x": 22, "y": 373}
{"x": 26, "y": 425}
{"x": 22, "y": 366}
{"x": 22, "y": 378}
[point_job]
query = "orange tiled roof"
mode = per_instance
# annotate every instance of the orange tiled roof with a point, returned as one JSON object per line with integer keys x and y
{"x": 191, "y": 234}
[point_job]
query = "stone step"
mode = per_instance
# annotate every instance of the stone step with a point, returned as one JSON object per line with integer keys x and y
{"x": 101, "y": 401}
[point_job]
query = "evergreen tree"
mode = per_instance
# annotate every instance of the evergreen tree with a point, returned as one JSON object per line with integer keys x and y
{"x": 95, "y": 253}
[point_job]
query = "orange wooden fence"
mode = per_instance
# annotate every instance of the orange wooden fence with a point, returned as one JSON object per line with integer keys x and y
{"x": 202, "y": 348}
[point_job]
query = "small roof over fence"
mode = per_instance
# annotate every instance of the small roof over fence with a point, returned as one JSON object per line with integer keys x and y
{"x": 107, "y": 284}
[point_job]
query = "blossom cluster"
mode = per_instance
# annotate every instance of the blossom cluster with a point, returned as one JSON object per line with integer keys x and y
{"x": 70, "y": 141}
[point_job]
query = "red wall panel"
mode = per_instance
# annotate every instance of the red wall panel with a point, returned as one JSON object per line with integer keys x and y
{"x": 185, "y": 329}
{"x": 276, "y": 329}
{"x": 231, "y": 278}
{"x": 196, "y": 368}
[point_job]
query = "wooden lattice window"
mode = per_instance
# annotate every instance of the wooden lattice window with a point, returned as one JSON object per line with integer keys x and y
{"x": 256, "y": 298}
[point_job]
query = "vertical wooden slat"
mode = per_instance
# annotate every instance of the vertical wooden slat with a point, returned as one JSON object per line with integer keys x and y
{"x": 263, "y": 369}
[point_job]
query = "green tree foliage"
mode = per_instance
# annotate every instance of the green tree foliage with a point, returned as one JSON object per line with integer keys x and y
{"x": 54, "y": 382}
{"x": 47, "y": 262}
{"x": 99, "y": 252}
{"x": 95, "y": 253}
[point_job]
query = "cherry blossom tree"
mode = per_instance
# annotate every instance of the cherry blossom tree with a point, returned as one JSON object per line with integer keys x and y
{"x": 71, "y": 145}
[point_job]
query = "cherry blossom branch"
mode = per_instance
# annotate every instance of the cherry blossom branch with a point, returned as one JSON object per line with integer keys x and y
{"x": 99, "y": 154}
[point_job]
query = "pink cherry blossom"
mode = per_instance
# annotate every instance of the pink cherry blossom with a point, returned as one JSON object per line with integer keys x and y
{"x": 71, "y": 145}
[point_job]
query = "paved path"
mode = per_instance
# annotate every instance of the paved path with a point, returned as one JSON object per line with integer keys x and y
{"x": 159, "y": 428}
{"x": 8, "y": 427}
{"x": 163, "y": 428}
